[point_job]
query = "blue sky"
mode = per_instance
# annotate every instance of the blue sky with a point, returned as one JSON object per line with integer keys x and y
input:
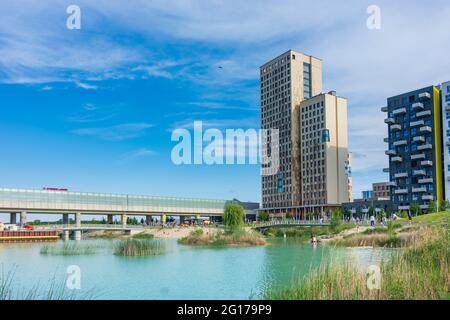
{"x": 93, "y": 109}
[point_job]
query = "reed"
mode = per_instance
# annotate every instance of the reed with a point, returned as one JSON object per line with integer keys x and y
{"x": 138, "y": 247}
{"x": 69, "y": 249}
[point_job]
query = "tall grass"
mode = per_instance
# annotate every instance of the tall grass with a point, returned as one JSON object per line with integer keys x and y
{"x": 137, "y": 247}
{"x": 51, "y": 290}
{"x": 69, "y": 249}
{"x": 421, "y": 271}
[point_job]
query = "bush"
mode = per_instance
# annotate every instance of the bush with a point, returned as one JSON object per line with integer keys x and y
{"x": 336, "y": 219}
{"x": 138, "y": 248}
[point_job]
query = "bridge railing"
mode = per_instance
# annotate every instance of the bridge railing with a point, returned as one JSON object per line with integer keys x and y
{"x": 89, "y": 226}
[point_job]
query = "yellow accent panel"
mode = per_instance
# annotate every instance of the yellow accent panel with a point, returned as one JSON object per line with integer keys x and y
{"x": 438, "y": 143}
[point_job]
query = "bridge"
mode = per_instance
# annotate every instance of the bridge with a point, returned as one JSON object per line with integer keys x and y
{"x": 291, "y": 224}
{"x": 21, "y": 202}
{"x": 79, "y": 229}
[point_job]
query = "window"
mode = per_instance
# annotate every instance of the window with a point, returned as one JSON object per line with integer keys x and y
{"x": 325, "y": 135}
{"x": 280, "y": 183}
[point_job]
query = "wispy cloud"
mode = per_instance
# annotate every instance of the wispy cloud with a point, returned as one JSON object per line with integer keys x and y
{"x": 86, "y": 86}
{"x": 92, "y": 113}
{"x": 116, "y": 133}
{"x": 140, "y": 153}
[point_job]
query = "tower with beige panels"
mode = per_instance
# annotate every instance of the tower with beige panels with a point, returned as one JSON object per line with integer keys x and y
{"x": 286, "y": 82}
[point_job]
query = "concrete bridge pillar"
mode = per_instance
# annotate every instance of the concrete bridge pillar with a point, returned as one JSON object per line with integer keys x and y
{"x": 124, "y": 220}
{"x": 182, "y": 219}
{"x": 66, "y": 235}
{"x": 78, "y": 219}
{"x": 163, "y": 219}
{"x": 13, "y": 218}
{"x": 148, "y": 220}
{"x": 110, "y": 219}
{"x": 78, "y": 235}
{"x": 66, "y": 220}
{"x": 23, "y": 218}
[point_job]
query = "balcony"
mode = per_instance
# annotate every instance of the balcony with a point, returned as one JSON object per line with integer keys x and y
{"x": 447, "y": 108}
{"x": 401, "y": 175}
{"x": 396, "y": 127}
{"x": 392, "y": 184}
{"x": 390, "y": 152}
{"x": 403, "y": 207}
{"x": 384, "y": 109}
{"x": 418, "y": 156}
{"x": 447, "y": 143}
{"x": 427, "y": 197}
{"x": 386, "y": 170}
{"x": 419, "y": 190}
{"x": 399, "y": 111}
{"x": 417, "y": 106}
{"x": 424, "y": 207}
{"x": 427, "y": 163}
{"x": 419, "y": 173}
{"x": 423, "y": 114}
{"x": 400, "y": 143}
{"x": 427, "y": 146}
{"x": 397, "y": 159}
{"x": 425, "y": 180}
{"x": 401, "y": 191}
{"x": 424, "y": 96}
{"x": 426, "y": 129}
{"x": 417, "y": 123}
{"x": 419, "y": 139}
{"x": 389, "y": 120}
{"x": 386, "y": 139}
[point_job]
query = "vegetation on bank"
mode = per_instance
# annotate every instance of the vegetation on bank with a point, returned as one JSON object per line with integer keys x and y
{"x": 432, "y": 217}
{"x": 138, "y": 247}
{"x": 306, "y": 233}
{"x": 234, "y": 237}
{"x": 69, "y": 249}
{"x": 420, "y": 271}
{"x": 143, "y": 235}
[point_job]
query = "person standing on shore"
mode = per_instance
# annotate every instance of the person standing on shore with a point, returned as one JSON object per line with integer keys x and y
{"x": 372, "y": 220}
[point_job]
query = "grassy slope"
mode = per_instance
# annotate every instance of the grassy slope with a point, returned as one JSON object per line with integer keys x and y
{"x": 432, "y": 217}
{"x": 421, "y": 271}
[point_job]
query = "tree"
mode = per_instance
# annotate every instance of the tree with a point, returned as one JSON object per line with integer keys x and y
{"x": 264, "y": 216}
{"x": 444, "y": 205}
{"x": 233, "y": 216}
{"x": 415, "y": 208}
{"x": 336, "y": 219}
{"x": 432, "y": 207}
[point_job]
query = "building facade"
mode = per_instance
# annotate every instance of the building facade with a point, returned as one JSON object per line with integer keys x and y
{"x": 381, "y": 190}
{"x": 445, "y": 100}
{"x": 415, "y": 148}
{"x": 285, "y": 82}
{"x": 313, "y": 145}
{"x": 325, "y": 160}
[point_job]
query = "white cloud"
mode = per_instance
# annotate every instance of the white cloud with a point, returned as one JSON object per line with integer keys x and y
{"x": 116, "y": 133}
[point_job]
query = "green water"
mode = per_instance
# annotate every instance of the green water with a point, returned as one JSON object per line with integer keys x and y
{"x": 182, "y": 273}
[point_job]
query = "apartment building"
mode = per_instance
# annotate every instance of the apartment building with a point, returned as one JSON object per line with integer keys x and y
{"x": 325, "y": 160}
{"x": 445, "y": 100}
{"x": 415, "y": 148}
{"x": 286, "y": 81}
{"x": 313, "y": 144}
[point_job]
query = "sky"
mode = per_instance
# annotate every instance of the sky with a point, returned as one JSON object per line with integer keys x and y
{"x": 93, "y": 109}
